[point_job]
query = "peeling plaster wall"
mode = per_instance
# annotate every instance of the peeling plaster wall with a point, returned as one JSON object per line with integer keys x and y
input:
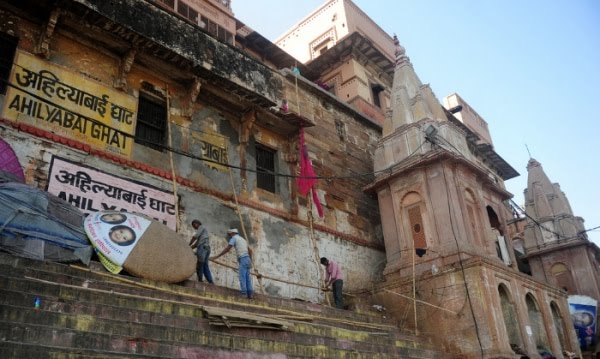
{"x": 340, "y": 145}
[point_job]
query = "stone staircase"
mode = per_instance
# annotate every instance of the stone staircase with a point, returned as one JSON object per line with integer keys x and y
{"x": 88, "y": 313}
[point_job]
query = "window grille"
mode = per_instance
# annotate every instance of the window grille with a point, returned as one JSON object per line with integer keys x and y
{"x": 265, "y": 166}
{"x": 151, "y": 124}
{"x": 8, "y": 46}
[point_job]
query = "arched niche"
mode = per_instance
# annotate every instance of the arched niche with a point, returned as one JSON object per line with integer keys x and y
{"x": 414, "y": 210}
{"x": 473, "y": 219}
{"x": 562, "y": 276}
{"x": 536, "y": 321}
{"x": 559, "y": 324}
{"x": 511, "y": 321}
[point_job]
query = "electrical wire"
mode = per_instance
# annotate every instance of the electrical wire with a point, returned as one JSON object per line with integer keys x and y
{"x": 516, "y": 206}
{"x": 459, "y": 255}
{"x": 541, "y": 226}
{"x": 202, "y": 159}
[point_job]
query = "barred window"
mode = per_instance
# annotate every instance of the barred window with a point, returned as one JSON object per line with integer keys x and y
{"x": 265, "y": 166}
{"x": 151, "y": 123}
{"x": 8, "y": 47}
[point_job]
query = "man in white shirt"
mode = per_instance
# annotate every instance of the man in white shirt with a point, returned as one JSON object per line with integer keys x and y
{"x": 244, "y": 255}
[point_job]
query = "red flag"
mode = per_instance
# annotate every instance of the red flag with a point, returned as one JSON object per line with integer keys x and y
{"x": 306, "y": 170}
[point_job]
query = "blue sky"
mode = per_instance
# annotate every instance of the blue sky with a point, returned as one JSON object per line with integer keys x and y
{"x": 531, "y": 69}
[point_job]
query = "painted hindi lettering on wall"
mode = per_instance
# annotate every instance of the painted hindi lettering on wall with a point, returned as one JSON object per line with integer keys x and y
{"x": 91, "y": 190}
{"x": 212, "y": 147}
{"x": 54, "y": 98}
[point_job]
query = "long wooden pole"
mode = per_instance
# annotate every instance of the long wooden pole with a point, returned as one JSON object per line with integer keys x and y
{"x": 237, "y": 209}
{"x": 316, "y": 255}
{"x": 173, "y": 177}
{"x": 414, "y": 289}
{"x": 420, "y": 301}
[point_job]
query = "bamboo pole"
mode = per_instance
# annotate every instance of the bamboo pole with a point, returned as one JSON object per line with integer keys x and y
{"x": 316, "y": 255}
{"x": 420, "y": 301}
{"x": 237, "y": 209}
{"x": 173, "y": 177}
{"x": 196, "y": 297}
{"x": 414, "y": 288}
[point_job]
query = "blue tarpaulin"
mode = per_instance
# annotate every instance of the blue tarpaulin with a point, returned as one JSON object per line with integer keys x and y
{"x": 36, "y": 224}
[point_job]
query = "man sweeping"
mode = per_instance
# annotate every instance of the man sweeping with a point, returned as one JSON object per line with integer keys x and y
{"x": 334, "y": 278}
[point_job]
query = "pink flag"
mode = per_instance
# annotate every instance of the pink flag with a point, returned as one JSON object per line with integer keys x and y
{"x": 306, "y": 170}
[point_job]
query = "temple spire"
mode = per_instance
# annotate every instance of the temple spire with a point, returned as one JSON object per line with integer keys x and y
{"x": 547, "y": 204}
{"x": 411, "y": 100}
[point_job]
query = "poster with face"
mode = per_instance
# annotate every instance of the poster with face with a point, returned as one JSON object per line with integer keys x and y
{"x": 114, "y": 234}
{"x": 583, "y": 311}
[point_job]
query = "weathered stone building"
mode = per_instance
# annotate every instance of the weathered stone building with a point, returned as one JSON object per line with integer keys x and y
{"x": 557, "y": 248}
{"x": 349, "y": 54}
{"x": 169, "y": 115}
{"x": 553, "y": 243}
{"x": 155, "y": 105}
{"x": 442, "y": 200}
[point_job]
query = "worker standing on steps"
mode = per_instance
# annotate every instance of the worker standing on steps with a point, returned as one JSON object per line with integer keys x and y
{"x": 201, "y": 241}
{"x": 334, "y": 277}
{"x": 244, "y": 255}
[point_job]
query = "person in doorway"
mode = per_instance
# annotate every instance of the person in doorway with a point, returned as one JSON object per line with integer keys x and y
{"x": 244, "y": 255}
{"x": 333, "y": 278}
{"x": 201, "y": 242}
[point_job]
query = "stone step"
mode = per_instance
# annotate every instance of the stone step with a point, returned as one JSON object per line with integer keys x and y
{"x": 10, "y": 349}
{"x": 204, "y": 294}
{"x": 188, "y": 317}
{"x": 66, "y": 270}
{"x": 96, "y": 301}
{"x": 92, "y": 314}
{"x": 69, "y": 340}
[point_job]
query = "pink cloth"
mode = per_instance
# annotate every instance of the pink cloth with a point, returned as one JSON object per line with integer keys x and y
{"x": 333, "y": 272}
{"x": 306, "y": 170}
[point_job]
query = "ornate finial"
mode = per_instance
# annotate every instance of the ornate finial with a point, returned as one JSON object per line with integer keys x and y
{"x": 532, "y": 163}
{"x": 400, "y": 51}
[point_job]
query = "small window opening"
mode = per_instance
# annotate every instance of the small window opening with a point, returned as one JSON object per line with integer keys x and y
{"x": 151, "y": 123}
{"x": 265, "y": 166}
{"x": 376, "y": 91}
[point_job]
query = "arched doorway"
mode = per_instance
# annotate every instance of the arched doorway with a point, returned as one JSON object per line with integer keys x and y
{"x": 559, "y": 324}
{"x": 536, "y": 320}
{"x": 501, "y": 246}
{"x": 511, "y": 321}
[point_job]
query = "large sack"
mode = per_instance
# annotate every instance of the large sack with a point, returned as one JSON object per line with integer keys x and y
{"x": 142, "y": 246}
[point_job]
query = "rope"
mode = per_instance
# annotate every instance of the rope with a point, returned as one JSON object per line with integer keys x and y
{"x": 277, "y": 310}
